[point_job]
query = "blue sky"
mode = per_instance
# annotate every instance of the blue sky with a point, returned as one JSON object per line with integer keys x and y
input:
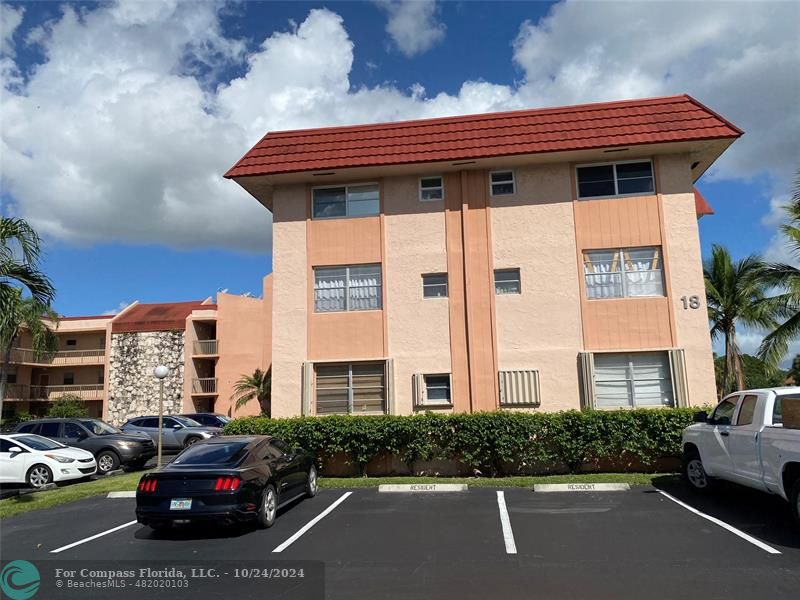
{"x": 121, "y": 118}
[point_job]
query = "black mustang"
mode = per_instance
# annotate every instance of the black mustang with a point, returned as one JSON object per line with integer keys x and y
{"x": 227, "y": 479}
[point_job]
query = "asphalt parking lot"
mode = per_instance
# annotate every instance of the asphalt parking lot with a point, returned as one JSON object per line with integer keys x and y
{"x": 632, "y": 544}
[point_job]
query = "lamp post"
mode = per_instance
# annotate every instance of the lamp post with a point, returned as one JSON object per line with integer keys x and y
{"x": 160, "y": 372}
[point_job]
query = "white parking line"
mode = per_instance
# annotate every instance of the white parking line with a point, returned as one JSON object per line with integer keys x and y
{"x": 505, "y": 522}
{"x": 94, "y": 537}
{"x": 723, "y": 524}
{"x": 312, "y": 522}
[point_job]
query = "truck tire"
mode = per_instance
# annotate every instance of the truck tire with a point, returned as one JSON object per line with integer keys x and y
{"x": 794, "y": 503}
{"x": 694, "y": 474}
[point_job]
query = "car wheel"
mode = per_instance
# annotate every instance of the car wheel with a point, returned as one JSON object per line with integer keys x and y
{"x": 312, "y": 485}
{"x": 191, "y": 441}
{"x": 107, "y": 461}
{"x": 794, "y": 500}
{"x": 694, "y": 473}
{"x": 269, "y": 507}
{"x": 39, "y": 476}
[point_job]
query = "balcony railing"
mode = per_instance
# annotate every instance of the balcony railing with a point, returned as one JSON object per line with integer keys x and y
{"x": 91, "y": 391}
{"x": 204, "y": 385}
{"x": 203, "y": 347}
{"x": 95, "y": 356}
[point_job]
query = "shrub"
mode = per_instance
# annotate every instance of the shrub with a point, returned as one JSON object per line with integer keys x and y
{"x": 12, "y": 421}
{"x": 68, "y": 406}
{"x": 493, "y": 442}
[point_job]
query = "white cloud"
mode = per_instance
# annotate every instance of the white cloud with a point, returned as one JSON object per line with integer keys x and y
{"x": 413, "y": 25}
{"x": 119, "y": 136}
{"x": 119, "y": 308}
{"x": 10, "y": 19}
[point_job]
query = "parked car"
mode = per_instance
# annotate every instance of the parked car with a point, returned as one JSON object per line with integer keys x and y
{"x": 37, "y": 461}
{"x": 178, "y": 432}
{"x": 209, "y": 419}
{"x": 111, "y": 447}
{"x": 226, "y": 479}
{"x": 744, "y": 440}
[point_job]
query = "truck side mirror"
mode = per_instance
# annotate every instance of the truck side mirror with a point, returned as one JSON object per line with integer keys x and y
{"x": 700, "y": 417}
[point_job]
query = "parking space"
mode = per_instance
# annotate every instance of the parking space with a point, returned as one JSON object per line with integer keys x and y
{"x": 589, "y": 545}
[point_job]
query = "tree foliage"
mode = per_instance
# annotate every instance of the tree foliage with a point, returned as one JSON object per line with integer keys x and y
{"x": 68, "y": 406}
{"x": 257, "y": 386}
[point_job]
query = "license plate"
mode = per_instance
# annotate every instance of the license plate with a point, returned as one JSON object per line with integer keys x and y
{"x": 180, "y": 504}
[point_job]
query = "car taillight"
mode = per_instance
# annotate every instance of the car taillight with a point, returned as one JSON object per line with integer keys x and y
{"x": 148, "y": 485}
{"x": 225, "y": 484}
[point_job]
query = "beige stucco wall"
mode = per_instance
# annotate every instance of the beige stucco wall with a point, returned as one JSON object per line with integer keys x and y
{"x": 418, "y": 328}
{"x": 540, "y": 328}
{"x": 290, "y": 310}
{"x": 240, "y": 331}
{"x": 686, "y": 275}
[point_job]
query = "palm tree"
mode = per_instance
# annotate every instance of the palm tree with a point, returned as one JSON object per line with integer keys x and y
{"x": 785, "y": 278}
{"x": 736, "y": 296}
{"x": 20, "y": 250}
{"x": 258, "y": 386}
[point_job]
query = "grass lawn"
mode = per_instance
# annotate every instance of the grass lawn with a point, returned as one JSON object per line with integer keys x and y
{"x": 127, "y": 482}
{"x": 68, "y": 493}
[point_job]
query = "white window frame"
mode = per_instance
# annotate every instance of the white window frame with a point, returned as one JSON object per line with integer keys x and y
{"x": 446, "y": 286}
{"x": 623, "y": 272}
{"x": 347, "y": 288}
{"x": 518, "y": 280}
{"x": 513, "y": 182}
{"x": 350, "y": 388}
{"x": 346, "y": 187}
{"x": 631, "y": 380}
{"x": 426, "y": 401}
{"x": 439, "y": 187}
{"x": 614, "y": 163}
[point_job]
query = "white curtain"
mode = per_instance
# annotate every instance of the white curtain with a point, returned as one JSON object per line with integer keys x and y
{"x": 330, "y": 286}
{"x": 643, "y": 272}
{"x": 603, "y": 276}
{"x": 365, "y": 288}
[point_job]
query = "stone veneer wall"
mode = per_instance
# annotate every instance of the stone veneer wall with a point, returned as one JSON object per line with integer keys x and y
{"x": 133, "y": 390}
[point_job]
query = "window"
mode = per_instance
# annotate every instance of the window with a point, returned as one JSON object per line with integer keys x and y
{"x": 50, "y": 429}
{"x": 725, "y": 409}
{"x": 11, "y": 377}
{"x": 640, "y": 379}
{"x": 777, "y": 409}
{"x": 73, "y": 431}
{"x": 218, "y": 452}
{"x": 101, "y": 377}
{"x": 346, "y": 201}
{"x": 6, "y": 445}
{"x": 29, "y": 428}
{"x": 350, "y": 388}
{"x": 747, "y": 410}
{"x": 506, "y": 281}
{"x": 623, "y": 273}
{"x": 615, "y": 179}
{"x": 338, "y": 289}
{"x": 437, "y": 389}
{"x": 72, "y": 342}
{"x": 501, "y": 183}
{"x": 434, "y": 285}
{"x": 69, "y": 378}
{"x": 149, "y": 423}
{"x": 430, "y": 189}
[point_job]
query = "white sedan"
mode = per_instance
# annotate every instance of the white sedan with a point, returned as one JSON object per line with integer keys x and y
{"x": 37, "y": 461}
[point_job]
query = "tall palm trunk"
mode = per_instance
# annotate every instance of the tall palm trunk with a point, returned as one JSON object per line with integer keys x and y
{"x": 4, "y": 374}
{"x": 734, "y": 373}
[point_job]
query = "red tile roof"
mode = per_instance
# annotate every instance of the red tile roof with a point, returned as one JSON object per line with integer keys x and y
{"x": 156, "y": 317}
{"x": 701, "y": 207}
{"x": 587, "y": 126}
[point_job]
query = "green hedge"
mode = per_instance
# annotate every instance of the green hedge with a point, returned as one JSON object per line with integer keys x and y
{"x": 494, "y": 442}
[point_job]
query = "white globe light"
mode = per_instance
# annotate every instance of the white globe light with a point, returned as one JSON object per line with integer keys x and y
{"x": 161, "y": 371}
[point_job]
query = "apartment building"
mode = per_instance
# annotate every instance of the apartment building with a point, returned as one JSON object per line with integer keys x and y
{"x": 108, "y": 360}
{"x": 537, "y": 259}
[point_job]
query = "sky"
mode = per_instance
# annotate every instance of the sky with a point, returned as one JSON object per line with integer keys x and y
{"x": 118, "y": 119}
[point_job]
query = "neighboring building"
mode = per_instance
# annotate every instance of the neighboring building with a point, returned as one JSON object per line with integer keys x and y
{"x": 532, "y": 259}
{"x": 108, "y": 361}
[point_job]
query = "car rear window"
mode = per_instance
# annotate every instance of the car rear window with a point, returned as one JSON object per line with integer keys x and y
{"x": 211, "y": 454}
{"x": 777, "y": 410}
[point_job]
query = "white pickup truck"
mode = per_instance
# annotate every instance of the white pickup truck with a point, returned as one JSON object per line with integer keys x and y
{"x": 744, "y": 440}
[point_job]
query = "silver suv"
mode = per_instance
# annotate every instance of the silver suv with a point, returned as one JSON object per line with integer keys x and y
{"x": 179, "y": 432}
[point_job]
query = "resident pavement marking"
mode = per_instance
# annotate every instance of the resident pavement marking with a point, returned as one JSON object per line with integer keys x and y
{"x": 94, "y": 537}
{"x": 121, "y": 495}
{"x": 723, "y": 524}
{"x": 505, "y": 522}
{"x": 581, "y": 487}
{"x": 422, "y": 487}
{"x": 312, "y": 522}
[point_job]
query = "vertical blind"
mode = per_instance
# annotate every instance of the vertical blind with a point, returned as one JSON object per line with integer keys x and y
{"x": 623, "y": 273}
{"x": 347, "y": 288}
